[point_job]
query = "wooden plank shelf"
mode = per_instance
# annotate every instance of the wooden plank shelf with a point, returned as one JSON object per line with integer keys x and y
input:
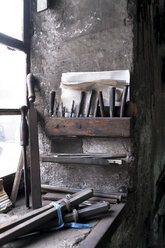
{"x": 92, "y": 127}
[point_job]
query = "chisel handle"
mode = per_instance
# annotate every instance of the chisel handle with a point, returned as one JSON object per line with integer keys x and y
{"x": 30, "y": 87}
{"x": 112, "y": 102}
{"x": 51, "y": 102}
{"x": 123, "y": 101}
{"x": 24, "y": 131}
{"x": 101, "y": 102}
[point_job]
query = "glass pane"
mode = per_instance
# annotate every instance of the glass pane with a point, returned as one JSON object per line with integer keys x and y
{"x": 11, "y": 18}
{"x": 12, "y": 78}
{"x": 9, "y": 144}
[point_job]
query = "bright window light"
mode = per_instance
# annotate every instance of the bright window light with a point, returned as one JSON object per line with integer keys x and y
{"x": 11, "y": 18}
{"x": 12, "y": 85}
{"x": 12, "y": 79}
{"x": 9, "y": 144}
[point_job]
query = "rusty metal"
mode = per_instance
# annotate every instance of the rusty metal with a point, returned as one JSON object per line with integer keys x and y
{"x": 92, "y": 93}
{"x": 123, "y": 101}
{"x": 24, "y": 141}
{"x": 72, "y": 109}
{"x": 112, "y": 102}
{"x": 119, "y": 197}
{"x": 81, "y": 105}
{"x": 42, "y": 218}
{"x": 101, "y": 102}
{"x": 51, "y": 102}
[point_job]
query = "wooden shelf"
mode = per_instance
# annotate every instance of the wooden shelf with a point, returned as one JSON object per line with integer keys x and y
{"x": 92, "y": 127}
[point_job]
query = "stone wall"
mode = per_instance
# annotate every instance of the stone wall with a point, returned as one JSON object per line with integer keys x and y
{"x": 80, "y": 36}
{"x": 99, "y": 35}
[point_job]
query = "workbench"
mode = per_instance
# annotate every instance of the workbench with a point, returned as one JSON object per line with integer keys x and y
{"x": 67, "y": 238}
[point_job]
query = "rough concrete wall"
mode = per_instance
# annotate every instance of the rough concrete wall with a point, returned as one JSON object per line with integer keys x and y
{"x": 94, "y": 35}
{"x": 88, "y": 35}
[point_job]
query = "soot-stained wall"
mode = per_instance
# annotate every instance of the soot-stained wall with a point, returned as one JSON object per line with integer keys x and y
{"x": 101, "y": 35}
{"x": 80, "y": 36}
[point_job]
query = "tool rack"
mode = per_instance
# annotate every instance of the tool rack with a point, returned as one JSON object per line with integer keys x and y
{"x": 93, "y": 127}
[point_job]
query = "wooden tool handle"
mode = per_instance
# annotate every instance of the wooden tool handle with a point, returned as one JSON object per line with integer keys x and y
{"x": 112, "y": 102}
{"x": 24, "y": 132}
{"x": 30, "y": 87}
{"x": 51, "y": 102}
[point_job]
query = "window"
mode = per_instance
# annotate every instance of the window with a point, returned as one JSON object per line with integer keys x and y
{"x": 14, "y": 17}
{"x": 11, "y": 18}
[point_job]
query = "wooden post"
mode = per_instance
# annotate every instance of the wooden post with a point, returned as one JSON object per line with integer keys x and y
{"x": 34, "y": 147}
{"x": 34, "y": 159}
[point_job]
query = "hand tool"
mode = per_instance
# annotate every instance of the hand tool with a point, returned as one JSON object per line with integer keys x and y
{"x": 92, "y": 93}
{"x": 93, "y": 211}
{"x": 57, "y": 109}
{"x": 62, "y": 110}
{"x": 96, "y": 110}
{"x": 51, "y": 102}
{"x": 43, "y": 217}
{"x": 81, "y": 105}
{"x": 72, "y": 109}
{"x": 34, "y": 147}
{"x": 50, "y": 188}
{"x": 30, "y": 87}
{"x": 24, "y": 140}
{"x": 123, "y": 101}
{"x": 112, "y": 102}
{"x": 58, "y": 196}
{"x": 101, "y": 102}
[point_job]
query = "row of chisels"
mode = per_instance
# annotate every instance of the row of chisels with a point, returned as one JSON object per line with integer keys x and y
{"x": 91, "y": 106}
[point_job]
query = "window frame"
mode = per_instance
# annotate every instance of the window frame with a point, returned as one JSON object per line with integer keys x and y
{"x": 23, "y": 45}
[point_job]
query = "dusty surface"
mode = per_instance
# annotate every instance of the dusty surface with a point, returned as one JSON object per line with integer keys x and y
{"x": 89, "y": 35}
{"x": 97, "y": 35}
{"x": 64, "y": 238}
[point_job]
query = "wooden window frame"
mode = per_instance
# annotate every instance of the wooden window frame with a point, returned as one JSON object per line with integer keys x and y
{"x": 23, "y": 45}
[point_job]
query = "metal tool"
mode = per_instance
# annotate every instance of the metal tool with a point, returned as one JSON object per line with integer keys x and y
{"x": 62, "y": 110}
{"x": 33, "y": 144}
{"x": 72, "y": 109}
{"x": 51, "y": 102}
{"x": 112, "y": 102}
{"x": 57, "y": 109}
{"x": 96, "y": 110}
{"x": 123, "y": 101}
{"x": 43, "y": 217}
{"x": 24, "y": 141}
{"x": 81, "y": 105}
{"x": 90, "y": 101}
{"x": 101, "y": 102}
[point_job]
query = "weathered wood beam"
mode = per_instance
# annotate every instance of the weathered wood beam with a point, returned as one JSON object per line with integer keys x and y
{"x": 93, "y": 127}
